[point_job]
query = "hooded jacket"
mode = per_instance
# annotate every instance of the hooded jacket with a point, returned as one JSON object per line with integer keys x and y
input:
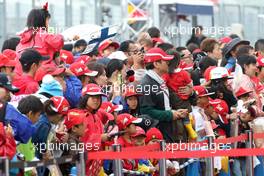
{"x": 45, "y": 43}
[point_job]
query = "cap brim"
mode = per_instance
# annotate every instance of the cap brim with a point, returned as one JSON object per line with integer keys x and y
{"x": 138, "y": 120}
{"x": 208, "y": 94}
{"x": 11, "y": 88}
{"x": 167, "y": 58}
{"x": 96, "y": 93}
{"x": 92, "y": 73}
{"x": 114, "y": 44}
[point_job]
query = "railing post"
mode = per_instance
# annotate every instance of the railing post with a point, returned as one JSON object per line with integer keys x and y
{"x": 4, "y": 166}
{"x": 117, "y": 162}
{"x": 249, "y": 159}
{"x": 162, "y": 162}
{"x": 82, "y": 163}
{"x": 210, "y": 161}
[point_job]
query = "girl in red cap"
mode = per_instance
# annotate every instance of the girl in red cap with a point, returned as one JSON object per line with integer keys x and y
{"x": 94, "y": 131}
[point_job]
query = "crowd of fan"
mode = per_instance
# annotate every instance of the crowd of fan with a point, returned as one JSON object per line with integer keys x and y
{"x": 132, "y": 93}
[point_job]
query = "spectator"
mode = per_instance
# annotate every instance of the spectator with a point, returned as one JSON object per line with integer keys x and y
{"x": 145, "y": 41}
{"x": 5, "y": 88}
{"x": 158, "y": 107}
{"x": 7, "y": 142}
{"x": 79, "y": 46}
{"x": 212, "y": 48}
{"x": 100, "y": 79}
{"x": 107, "y": 47}
{"x": 245, "y": 50}
{"x": 30, "y": 62}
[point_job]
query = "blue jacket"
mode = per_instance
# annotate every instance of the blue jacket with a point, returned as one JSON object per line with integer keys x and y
{"x": 231, "y": 62}
{"x": 43, "y": 127}
{"x": 22, "y": 126}
{"x": 73, "y": 90}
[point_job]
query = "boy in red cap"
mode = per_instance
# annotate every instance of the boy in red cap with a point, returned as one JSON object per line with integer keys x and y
{"x": 126, "y": 123}
{"x": 143, "y": 165}
{"x": 107, "y": 47}
{"x": 76, "y": 129}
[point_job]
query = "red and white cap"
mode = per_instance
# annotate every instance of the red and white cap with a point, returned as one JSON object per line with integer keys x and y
{"x": 202, "y": 91}
{"x": 131, "y": 92}
{"x": 74, "y": 117}
{"x": 219, "y": 72}
{"x": 140, "y": 132}
{"x": 153, "y": 133}
{"x": 66, "y": 56}
{"x": 156, "y": 54}
{"x": 92, "y": 89}
{"x": 50, "y": 69}
{"x": 61, "y": 105}
{"x": 105, "y": 44}
{"x": 80, "y": 69}
{"x": 220, "y": 107}
{"x": 124, "y": 120}
{"x": 207, "y": 73}
{"x": 242, "y": 91}
{"x": 110, "y": 107}
{"x": 84, "y": 59}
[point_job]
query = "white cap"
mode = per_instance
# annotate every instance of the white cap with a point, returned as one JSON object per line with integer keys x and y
{"x": 118, "y": 55}
{"x": 219, "y": 72}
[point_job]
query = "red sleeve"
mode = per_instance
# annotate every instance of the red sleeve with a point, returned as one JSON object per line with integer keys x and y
{"x": 54, "y": 41}
{"x": 32, "y": 88}
{"x": 166, "y": 77}
{"x": 187, "y": 77}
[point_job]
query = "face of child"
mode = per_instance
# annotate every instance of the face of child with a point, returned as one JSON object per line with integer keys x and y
{"x": 56, "y": 119}
{"x": 251, "y": 70}
{"x": 132, "y": 102}
{"x": 94, "y": 102}
{"x": 79, "y": 130}
{"x": 139, "y": 140}
{"x": 131, "y": 129}
{"x": 34, "y": 116}
{"x": 203, "y": 101}
{"x": 153, "y": 141}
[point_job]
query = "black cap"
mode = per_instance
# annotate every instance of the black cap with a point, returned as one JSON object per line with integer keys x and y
{"x": 31, "y": 56}
{"x": 4, "y": 82}
{"x": 232, "y": 44}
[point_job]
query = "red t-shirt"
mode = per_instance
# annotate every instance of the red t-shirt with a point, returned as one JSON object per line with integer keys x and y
{"x": 179, "y": 78}
{"x": 26, "y": 84}
{"x": 128, "y": 164}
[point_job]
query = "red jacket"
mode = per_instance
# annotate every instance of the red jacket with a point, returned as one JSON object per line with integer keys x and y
{"x": 7, "y": 144}
{"x": 26, "y": 84}
{"x": 92, "y": 141}
{"x": 45, "y": 43}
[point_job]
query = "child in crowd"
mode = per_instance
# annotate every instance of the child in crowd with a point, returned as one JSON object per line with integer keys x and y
{"x": 94, "y": 134}
{"x": 177, "y": 79}
{"x": 76, "y": 129}
{"x": 131, "y": 104}
{"x": 126, "y": 123}
{"x": 143, "y": 165}
{"x": 54, "y": 111}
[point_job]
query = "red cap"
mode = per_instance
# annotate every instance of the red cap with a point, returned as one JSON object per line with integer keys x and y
{"x": 11, "y": 54}
{"x": 92, "y": 89}
{"x": 153, "y": 133}
{"x": 220, "y": 107}
{"x": 110, "y": 107}
{"x": 130, "y": 93}
{"x": 225, "y": 40}
{"x": 84, "y": 59}
{"x": 48, "y": 69}
{"x": 66, "y": 56}
{"x": 74, "y": 117}
{"x": 61, "y": 105}
{"x": 201, "y": 91}
{"x": 124, "y": 120}
{"x": 156, "y": 54}
{"x": 105, "y": 44}
{"x": 242, "y": 91}
{"x": 207, "y": 73}
{"x": 139, "y": 132}
{"x": 79, "y": 69}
